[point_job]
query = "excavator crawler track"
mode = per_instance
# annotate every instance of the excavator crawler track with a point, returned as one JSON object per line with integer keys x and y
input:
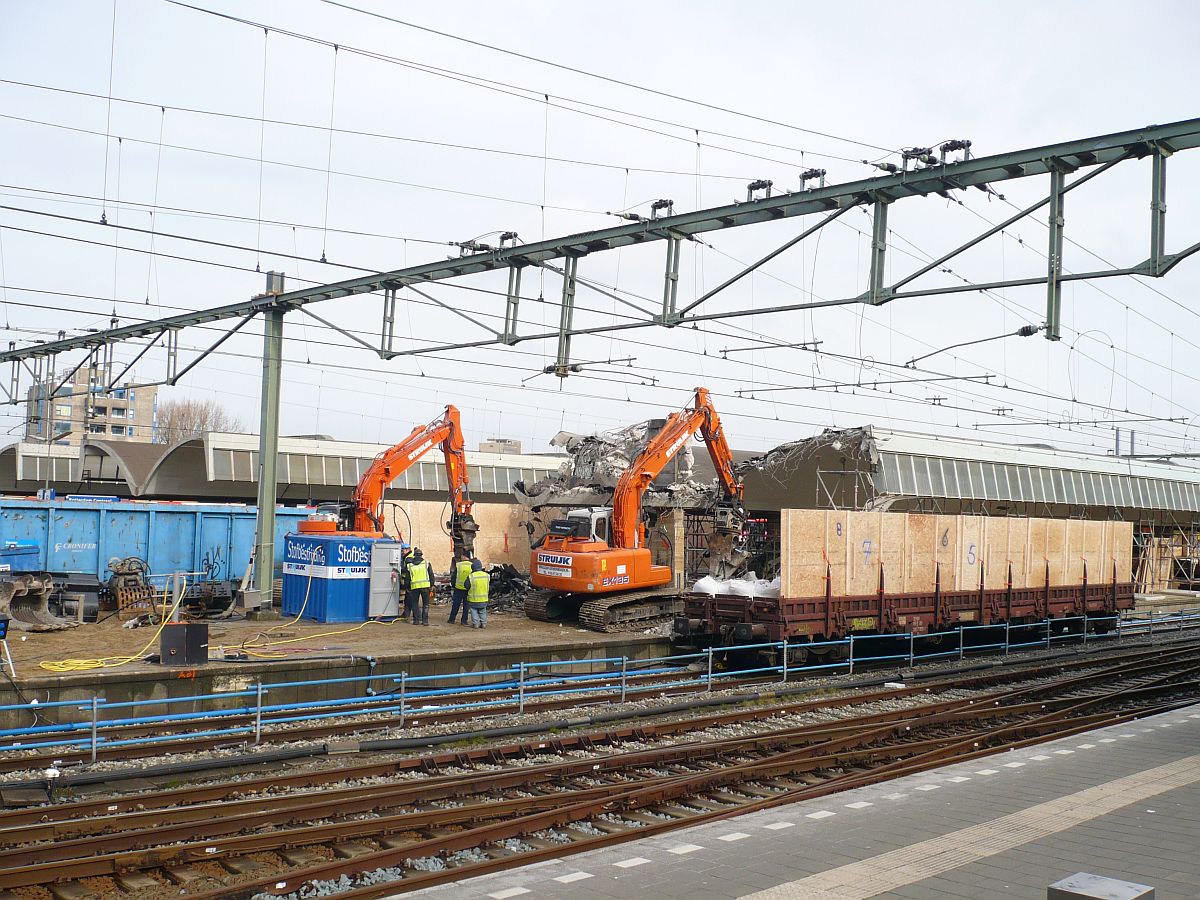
{"x": 549, "y": 606}
{"x": 615, "y": 612}
{"x": 636, "y": 609}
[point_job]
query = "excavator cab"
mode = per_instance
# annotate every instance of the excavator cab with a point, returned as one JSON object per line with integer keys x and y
{"x": 584, "y": 524}
{"x": 328, "y": 518}
{"x": 577, "y": 556}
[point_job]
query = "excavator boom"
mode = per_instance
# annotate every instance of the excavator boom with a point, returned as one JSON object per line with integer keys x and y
{"x": 628, "y": 531}
{"x": 389, "y": 465}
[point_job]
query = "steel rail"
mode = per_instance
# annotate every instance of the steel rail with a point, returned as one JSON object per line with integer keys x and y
{"x": 49, "y": 864}
{"x": 998, "y": 676}
{"x": 59, "y": 757}
{"x": 417, "y": 717}
{"x": 234, "y": 814}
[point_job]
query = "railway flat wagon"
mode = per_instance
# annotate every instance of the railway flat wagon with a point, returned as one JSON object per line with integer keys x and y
{"x": 872, "y": 573}
{"x": 79, "y": 537}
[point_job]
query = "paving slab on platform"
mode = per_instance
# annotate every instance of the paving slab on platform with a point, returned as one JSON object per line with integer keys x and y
{"x": 1122, "y": 801}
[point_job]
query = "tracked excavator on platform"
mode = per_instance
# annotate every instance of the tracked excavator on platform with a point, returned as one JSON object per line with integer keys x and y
{"x": 364, "y": 517}
{"x": 595, "y": 564}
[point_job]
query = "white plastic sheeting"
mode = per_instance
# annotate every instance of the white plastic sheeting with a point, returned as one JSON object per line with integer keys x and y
{"x": 749, "y": 585}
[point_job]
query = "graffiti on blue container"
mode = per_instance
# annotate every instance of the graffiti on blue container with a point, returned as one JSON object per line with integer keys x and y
{"x": 212, "y": 563}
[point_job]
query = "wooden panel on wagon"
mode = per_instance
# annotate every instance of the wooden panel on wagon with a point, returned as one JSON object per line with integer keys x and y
{"x": 911, "y": 545}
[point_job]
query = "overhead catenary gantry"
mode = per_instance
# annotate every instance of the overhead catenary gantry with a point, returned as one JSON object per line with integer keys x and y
{"x": 1057, "y": 162}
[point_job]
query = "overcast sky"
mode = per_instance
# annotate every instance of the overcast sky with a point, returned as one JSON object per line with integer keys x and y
{"x": 544, "y": 152}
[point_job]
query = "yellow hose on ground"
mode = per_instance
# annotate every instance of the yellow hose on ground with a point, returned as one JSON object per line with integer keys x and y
{"x": 112, "y": 662}
{"x": 264, "y": 649}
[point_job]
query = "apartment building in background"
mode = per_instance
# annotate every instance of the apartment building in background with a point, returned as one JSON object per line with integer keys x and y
{"x": 83, "y": 407}
{"x": 500, "y": 445}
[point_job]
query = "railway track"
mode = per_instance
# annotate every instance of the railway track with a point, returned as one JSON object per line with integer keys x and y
{"x": 349, "y": 739}
{"x": 453, "y": 814}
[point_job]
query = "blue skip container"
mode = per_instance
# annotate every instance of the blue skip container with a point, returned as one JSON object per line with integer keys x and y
{"x": 20, "y": 556}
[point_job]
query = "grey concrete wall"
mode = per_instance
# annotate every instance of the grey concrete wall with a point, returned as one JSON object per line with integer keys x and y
{"x": 161, "y": 683}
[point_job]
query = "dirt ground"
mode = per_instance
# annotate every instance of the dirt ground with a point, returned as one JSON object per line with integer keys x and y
{"x": 109, "y": 638}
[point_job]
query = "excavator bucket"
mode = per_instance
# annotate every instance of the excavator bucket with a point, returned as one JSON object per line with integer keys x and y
{"x": 25, "y": 599}
{"x": 463, "y": 528}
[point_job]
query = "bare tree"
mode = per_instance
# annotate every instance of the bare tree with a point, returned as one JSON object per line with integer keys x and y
{"x": 179, "y": 420}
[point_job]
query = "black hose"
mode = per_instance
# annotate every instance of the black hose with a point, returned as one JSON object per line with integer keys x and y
{"x": 180, "y": 768}
{"x": 435, "y": 740}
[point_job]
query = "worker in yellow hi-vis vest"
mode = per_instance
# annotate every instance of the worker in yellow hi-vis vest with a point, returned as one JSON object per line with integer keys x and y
{"x": 479, "y": 584}
{"x": 460, "y": 572}
{"x": 420, "y": 586}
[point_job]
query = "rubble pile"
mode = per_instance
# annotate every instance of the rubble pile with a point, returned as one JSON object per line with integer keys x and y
{"x": 782, "y": 462}
{"x": 508, "y": 588}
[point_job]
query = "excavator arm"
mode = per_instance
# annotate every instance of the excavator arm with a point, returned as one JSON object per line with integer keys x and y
{"x": 628, "y": 529}
{"x": 389, "y": 465}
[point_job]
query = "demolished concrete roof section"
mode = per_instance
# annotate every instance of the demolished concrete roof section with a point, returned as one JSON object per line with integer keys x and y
{"x": 595, "y": 464}
{"x": 783, "y": 462}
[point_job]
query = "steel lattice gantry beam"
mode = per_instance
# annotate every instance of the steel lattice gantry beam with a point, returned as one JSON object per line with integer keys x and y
{"x": 1057, "y": 161}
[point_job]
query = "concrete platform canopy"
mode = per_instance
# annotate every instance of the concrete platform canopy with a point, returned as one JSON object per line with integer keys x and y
{"x": 222, "y": 466}
{"x": 878, "y": 469}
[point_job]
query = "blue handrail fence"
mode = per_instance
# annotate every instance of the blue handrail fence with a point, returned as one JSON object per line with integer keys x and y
{"x": 98, "y": 723}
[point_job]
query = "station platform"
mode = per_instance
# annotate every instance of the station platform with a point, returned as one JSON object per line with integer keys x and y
{"x": 1122, "y": 802}
{"x": 314, "y": 651}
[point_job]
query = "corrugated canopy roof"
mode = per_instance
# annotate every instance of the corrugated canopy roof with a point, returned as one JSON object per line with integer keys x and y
{"x": 915, "y": 444}
{"x": 918, "y": 465}
{"x": 225, "y": 465}
{"x": 340, "y": 465}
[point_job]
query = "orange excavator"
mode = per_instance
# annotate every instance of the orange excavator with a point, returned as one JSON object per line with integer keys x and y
{"x": 597, "y": 563}
{"x": 366, "y": 515}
